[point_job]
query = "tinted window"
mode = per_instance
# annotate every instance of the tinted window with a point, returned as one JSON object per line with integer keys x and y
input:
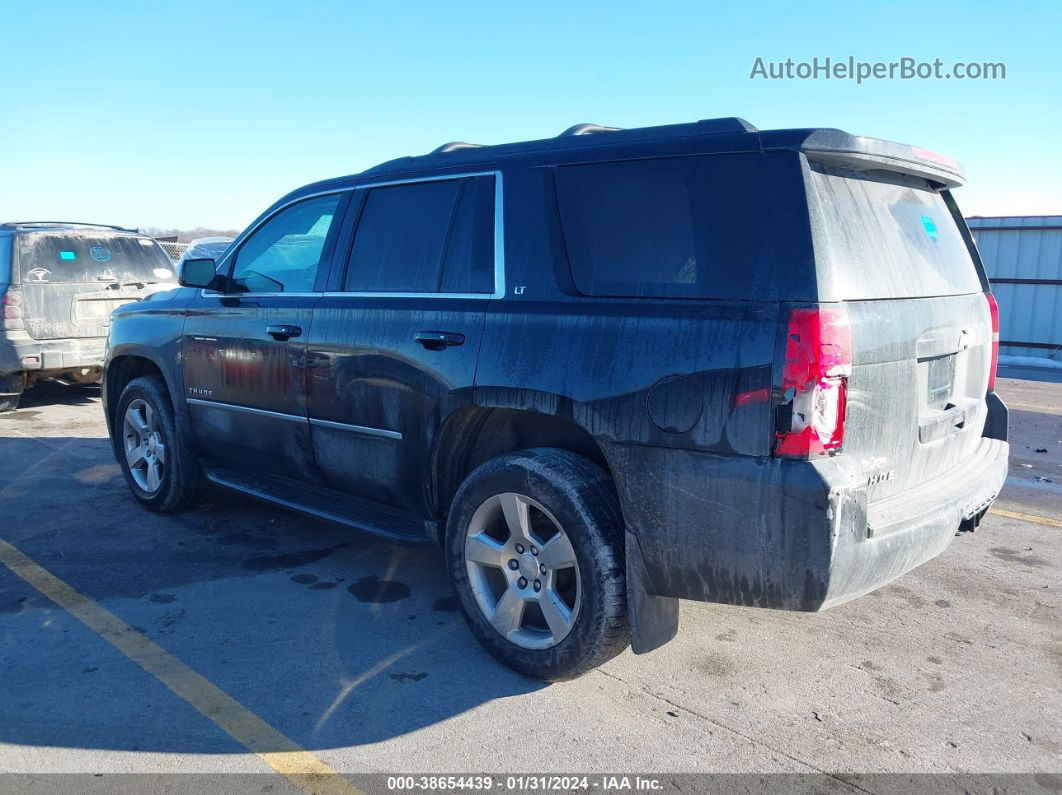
{"x": 684, "y": 227}
{"x": 890, "y": 236}
{"x": 5, "y": 259}
{"x": 283, "y": 254}
{"x": 425, "y": 237}
{"x": 468, "y": 265}
{"x": 92, "y": 257}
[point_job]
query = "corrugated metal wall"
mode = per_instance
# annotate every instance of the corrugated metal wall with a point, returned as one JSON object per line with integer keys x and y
{"x": 1023, "y": 257}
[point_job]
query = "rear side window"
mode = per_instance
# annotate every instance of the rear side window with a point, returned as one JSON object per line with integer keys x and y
{"x": 889, "y": 236}
{"x": 92, "y": 257}
{"x": 425, "y": 237}
{"x": 5, "y": 260}
{"x": 680, "y": 227}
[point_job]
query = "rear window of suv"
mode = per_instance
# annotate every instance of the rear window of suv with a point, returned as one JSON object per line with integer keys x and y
{"x": 729, "y": 226}
{"x": 889, "y": 236}
{"x": 92, "y": 258}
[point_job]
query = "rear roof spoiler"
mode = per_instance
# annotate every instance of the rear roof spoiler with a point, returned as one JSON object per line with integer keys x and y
{"x": 860, "y": 153}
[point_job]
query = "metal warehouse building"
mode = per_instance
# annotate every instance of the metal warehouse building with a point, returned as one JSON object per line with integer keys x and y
{"x": 1023, "y": 257}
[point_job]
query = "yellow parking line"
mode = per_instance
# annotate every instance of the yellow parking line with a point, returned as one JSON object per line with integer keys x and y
{"x": 300, "y": 767}
{"x": 1028, "y": 517}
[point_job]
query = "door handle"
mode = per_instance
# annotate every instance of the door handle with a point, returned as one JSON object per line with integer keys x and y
{"x": 283, "y": 332}
{"x": 437, "y": 340}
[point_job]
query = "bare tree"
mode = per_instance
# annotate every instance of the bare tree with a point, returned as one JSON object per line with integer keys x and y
{"x": 187, "y": 235}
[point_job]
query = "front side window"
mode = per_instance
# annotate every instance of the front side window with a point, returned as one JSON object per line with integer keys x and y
{"x": 425, "y": 237}
{"x": 282, "y": 255}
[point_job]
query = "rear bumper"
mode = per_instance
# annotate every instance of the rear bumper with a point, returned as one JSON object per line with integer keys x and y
{"x": 29, "y": 355}
{"x": 786, "y": 534}
{"x": 910, "y": 528}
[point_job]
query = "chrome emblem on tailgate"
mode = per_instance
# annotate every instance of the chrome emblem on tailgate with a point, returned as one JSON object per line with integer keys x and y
{"x": 879, "y": 464}
{"x": 880, "y": 477}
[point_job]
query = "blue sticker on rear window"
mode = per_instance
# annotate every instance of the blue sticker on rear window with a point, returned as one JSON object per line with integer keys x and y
{"x": 67, "y": 255}
{"x": 100, "y": 253}
{"x": 931, "y": 228}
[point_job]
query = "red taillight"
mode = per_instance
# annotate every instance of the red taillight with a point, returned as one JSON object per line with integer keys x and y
{"x": 818, "y": 360}
{"x": 993, "y": 310}
{"x": 12, "y": 303}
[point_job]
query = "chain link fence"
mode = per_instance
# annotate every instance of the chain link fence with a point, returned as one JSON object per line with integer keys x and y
{"x": 173, "y": 249}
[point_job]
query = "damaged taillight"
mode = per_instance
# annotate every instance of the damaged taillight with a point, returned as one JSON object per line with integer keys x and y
{"x": 818, "y": 361}
{"x": 12, "y": 306}
{"x": 993, "y": 310}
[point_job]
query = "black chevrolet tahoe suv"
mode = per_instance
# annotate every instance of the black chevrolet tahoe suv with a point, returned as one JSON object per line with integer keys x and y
{"x": 604, "y": 371}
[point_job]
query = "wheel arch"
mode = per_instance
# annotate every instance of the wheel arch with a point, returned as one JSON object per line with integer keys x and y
{"x": 515, "y": 421}
{"x": 475, "y": 434}
{"x": 122, "y": 368}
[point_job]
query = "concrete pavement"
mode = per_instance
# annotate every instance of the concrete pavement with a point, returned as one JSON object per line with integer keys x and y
{"x": 353, "y": 647}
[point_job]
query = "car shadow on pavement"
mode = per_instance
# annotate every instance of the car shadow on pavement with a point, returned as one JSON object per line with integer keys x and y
{"x": 334, "y": 638}
{"x": 49, "y": 393}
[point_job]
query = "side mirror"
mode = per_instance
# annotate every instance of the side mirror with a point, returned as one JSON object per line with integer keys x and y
{"x": 198, "y": 273}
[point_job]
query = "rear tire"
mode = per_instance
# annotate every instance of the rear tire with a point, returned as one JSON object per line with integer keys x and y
{"x": 162, "y": 474}
{"x": 562, "y": 609}
{"x": 11, "y": 387}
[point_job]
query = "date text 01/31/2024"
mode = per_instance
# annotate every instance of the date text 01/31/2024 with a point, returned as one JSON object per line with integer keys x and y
{"x": 524, "y": 783}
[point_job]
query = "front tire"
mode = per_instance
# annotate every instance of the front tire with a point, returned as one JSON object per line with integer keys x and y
{"x": 160, "y": 472}
{"x": 534, "y": 545}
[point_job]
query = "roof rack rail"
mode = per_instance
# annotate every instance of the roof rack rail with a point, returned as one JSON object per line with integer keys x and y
{"x": 455, "y": 145}
{"x": 36, "y": 224}
{"x": 586, "y": 128}
{"x": 728, "y": 124}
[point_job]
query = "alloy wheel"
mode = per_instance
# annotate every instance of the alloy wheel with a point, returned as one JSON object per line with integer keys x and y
{"x": 145, "y": 452}
{"x": 522, "y": 570}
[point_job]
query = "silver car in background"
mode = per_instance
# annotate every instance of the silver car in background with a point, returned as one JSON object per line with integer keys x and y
{"x": 204, "y": 248}
{"x": 59, "y": 282}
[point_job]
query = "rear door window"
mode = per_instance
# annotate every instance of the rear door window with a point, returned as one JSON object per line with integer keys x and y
{"x": 889, "y": 236}
{"x": 684, "y": 227}
{"x": 425, "y": 237}
{"x": 468, "y": 263}
{"x": 87, "y": 257}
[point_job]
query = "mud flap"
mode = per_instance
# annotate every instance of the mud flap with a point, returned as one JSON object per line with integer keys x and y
{"x": 996, "y": 422}
{"x": 654, "y": 619}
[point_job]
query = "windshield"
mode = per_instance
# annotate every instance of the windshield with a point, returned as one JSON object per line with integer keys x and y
{"x": 88, "y": 257}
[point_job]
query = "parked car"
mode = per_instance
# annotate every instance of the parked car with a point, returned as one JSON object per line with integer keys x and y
{"x": 605, "y": 372}
{"x": 205, "y": 248}
{"x": 59, "y": 282}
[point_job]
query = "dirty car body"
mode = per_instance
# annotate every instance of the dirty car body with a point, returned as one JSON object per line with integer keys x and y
{"x": 779, "y": 346}
{"x": 59, "y": 283}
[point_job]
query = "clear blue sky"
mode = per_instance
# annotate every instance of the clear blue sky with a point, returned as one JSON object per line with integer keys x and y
{"x": 203, "y": 113}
